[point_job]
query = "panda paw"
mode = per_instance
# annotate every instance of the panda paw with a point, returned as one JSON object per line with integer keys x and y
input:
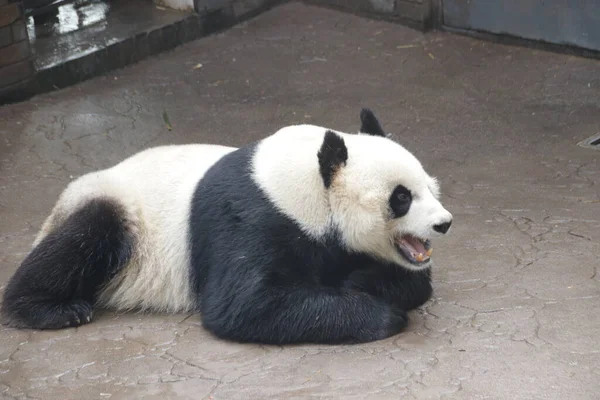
{"x": 43, "y": 315}
{"x": 73, "y": 315}
{"x": 395, "y": 320}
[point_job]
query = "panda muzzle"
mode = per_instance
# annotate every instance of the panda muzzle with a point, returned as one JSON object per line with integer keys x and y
{"x": 415, "y": 250}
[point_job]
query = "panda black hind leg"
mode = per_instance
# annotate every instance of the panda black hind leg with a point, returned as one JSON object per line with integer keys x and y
{"x": 57, "y": 283}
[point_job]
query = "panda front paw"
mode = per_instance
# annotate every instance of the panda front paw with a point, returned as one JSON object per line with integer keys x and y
{"x": 387, "y": 321}
{"x": 395, "y": 320}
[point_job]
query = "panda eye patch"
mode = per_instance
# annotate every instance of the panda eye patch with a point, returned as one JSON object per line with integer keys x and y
{"x": 400, "y": 201}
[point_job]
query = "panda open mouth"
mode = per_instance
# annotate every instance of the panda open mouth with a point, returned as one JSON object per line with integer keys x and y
{"x": 414, "y": 250}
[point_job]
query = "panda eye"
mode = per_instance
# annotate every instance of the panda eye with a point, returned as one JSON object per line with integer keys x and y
{"x": 400, "y": 201}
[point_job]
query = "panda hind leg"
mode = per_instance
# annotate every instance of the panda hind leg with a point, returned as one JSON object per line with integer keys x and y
{"x": 57, "y": 284}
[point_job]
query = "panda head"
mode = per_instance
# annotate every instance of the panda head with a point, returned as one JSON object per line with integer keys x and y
{"x": 381, "y": 199}
{"x": 372, "y": 192}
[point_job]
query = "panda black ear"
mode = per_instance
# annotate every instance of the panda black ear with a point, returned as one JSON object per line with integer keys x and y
{"x": 369, "y": 123}
{"x": 332, "y": 155}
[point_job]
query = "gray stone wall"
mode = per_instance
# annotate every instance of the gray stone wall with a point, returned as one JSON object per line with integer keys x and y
{"x": 16, "y": 67}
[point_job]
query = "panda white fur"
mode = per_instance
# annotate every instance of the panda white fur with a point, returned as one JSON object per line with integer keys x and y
{"x": 309, "y": 235}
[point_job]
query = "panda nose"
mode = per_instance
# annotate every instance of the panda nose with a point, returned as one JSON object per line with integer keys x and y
{"x": 442, "y": 228}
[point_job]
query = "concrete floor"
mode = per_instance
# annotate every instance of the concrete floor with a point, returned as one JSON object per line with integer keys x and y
{"x": 517, "y": 295}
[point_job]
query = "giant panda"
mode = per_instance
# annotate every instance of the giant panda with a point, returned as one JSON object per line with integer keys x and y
{"x": 308, "y": 236}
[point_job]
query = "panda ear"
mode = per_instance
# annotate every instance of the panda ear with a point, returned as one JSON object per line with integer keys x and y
{"x": 332, "y": 155}
{"x": 369, "y": 123}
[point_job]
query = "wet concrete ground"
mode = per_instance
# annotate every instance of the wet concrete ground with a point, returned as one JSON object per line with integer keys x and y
{"x": 515, "y": 313}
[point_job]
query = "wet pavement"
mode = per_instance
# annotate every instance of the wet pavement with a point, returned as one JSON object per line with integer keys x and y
{"x": 515, "y": 313}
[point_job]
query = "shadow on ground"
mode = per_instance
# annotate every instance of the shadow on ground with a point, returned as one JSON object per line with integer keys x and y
{"x": 515, "y": 313}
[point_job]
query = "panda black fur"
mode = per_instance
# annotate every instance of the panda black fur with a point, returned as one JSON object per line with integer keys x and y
{"x": 309, "y": 235}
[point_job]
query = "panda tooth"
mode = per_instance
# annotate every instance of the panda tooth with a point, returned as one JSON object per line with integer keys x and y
{"x": 429, "y": 252}
{"x": 419, "y": 258}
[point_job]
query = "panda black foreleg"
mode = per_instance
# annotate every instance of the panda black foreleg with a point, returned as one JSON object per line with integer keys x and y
{"x": 57, "y": 283}
{"x": 272, "y": 315}
{"x": 404, "y": 289}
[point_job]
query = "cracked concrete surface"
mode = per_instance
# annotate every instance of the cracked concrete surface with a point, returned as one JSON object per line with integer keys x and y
{"x": 517, "y": 296}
